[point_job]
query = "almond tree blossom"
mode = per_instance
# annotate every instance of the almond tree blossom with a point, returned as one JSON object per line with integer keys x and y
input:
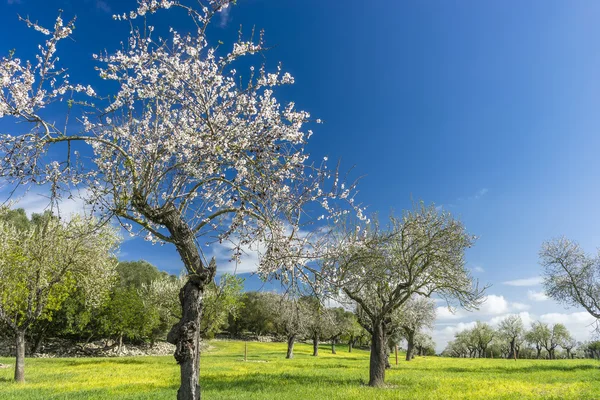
{"x": 185, "y": 147}
{"x": 571, "y": 276}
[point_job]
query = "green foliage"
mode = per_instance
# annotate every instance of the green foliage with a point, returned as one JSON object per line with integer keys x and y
{"x": 137, "y": 273}
{"x": 259, "y": 316}
{"x": 44, "y": 260}
{"x": 223, "y": 302}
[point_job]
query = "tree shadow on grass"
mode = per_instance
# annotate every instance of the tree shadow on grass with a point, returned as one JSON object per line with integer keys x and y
{"x": 511, "y": 369}
{"x": 259, "y": 382}
{"x": 96, "y": 361}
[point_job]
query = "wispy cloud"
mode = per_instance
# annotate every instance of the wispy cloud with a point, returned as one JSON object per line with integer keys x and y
{"x": 103, "y": 5}
{"x": 478, "y": 195}
{"x": 224, "y": 16}
{"x": 534, "y": 281}
{"x": 478, "y": 269}
{"x": 536, "y": 296}
{"x": 14, "y": 1}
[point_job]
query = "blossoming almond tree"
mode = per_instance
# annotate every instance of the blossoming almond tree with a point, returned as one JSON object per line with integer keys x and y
{"x": 416, "y": 314}
{"x": 380, "y": 269}
{"x": 184, "y": 149}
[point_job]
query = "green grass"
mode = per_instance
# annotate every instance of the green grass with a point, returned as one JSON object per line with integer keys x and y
{"x": 268, "y": 375}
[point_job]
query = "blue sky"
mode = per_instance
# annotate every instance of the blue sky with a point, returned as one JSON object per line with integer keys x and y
{"x": 488, "y": 109}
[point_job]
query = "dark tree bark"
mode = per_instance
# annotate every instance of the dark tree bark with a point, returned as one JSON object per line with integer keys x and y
{"x": 315, "y": 346}
{"x": 350, "y": 345}
{"x": 378, "y": 356}
{"x": 185, "y": 335}
{"x": 333, "y": 346}
{"x": 539, "y": 352}
{"x": 410, "y": 347}
{"x": 512, "y": 354}
{"x": 290, "y": 346}
{"x": 20, "y": 357}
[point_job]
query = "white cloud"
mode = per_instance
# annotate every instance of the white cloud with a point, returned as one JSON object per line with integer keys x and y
{"x": 580, "y": 324}
{"x": 444, "y": 313}
{"x": 534, "y": 281}
{"x": 248, "y": 261}
{"x": 493, "y": 305}
{"x": 536, "y": 296}
{"x": 478, "y": 269}
{"x": 39, "y": 201}
{"x": 103, "y": 5}
{"x": 224, "y": 16}
{"x": 519, "y": 306}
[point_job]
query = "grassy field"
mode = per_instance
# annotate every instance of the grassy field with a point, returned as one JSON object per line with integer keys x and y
{"x": 268, "y": 375}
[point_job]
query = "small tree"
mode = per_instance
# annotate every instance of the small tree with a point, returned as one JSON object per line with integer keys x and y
{"x": 571, "y": 276}
{"x": 320, "y": 321}
{"x": 292, "y": 319}
{"x": 43, "y": 263}
{"x": 511, "y": 330}
{"x": 354, "y": 332}
{"x": 424, "y": 344}
{"x": 341, "y": 322}
{"x": 554, "y": 337}
{"x": 569, "y": 343}
{"x": 416, "y": 314}
{"x": 484, "y": 335}
{"x": 538, "y": 336}
{"x": 421, "y": 253}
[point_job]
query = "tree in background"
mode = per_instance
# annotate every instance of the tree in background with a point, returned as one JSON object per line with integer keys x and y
{"x": 421, "y": 253}
{"x": 538, "y": 336}
{"x": 292, "y": 319}
{"x": 342, "y": 321}
{"x": 569, "y": 343}
{"x": 354, "y": 333}
{"x": 42, "y": 264}
{"x": 511, "y": 330}
{"x": 571, "y": 276}
{"x": 484, "y": 335}
{"x": 223, "y": 300}
{"x": 424, "y": 344}
{"x": 320, "y": 322}
{"x": 554, "y": 337}
{"x": 177, "y": 146}
{"x": 416, "y": 314}
{"x": 259, "y": 316}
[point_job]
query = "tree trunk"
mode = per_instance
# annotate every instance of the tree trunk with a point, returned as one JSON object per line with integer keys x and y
{"x": 315, "y": 346}
{"x": 37, "y": 344}
{"x": 410, "y": 345}
{"x": 290, "y": 346}
{"x": 539, "y": 352}
{"x": 350, "y": 345}
{"x": 185, "y": 335}
{"x": 568, "y": 353}
{"x": 120, "y": 344}
{"x": 378, "y": 356}
{"x": 333, "y": 346}
{"x": 20, "y": 357}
